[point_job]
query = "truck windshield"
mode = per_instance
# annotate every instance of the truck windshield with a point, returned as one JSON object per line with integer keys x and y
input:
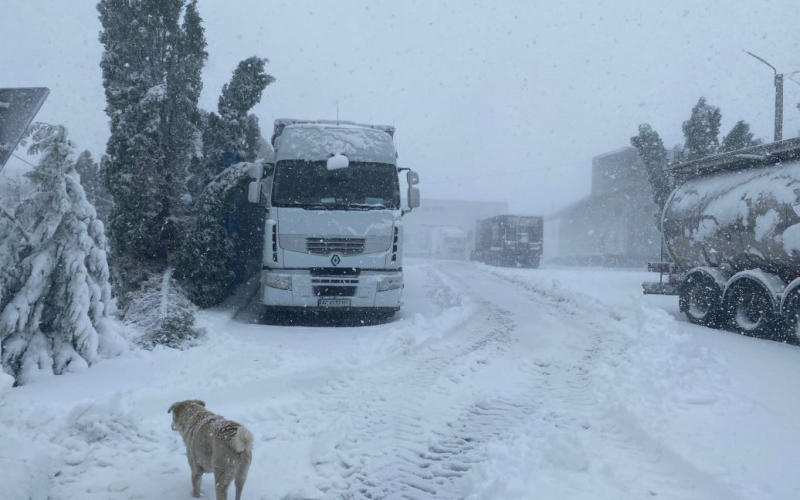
{"x": 361, "y": 186}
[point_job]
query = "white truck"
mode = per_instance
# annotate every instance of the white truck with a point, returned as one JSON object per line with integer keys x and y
{"x": 334, "y": 230}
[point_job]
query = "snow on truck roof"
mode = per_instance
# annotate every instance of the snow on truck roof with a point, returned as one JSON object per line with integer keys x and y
{"x": 319, "y": 140}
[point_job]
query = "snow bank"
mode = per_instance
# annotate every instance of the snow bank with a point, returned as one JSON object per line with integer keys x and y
{"x": 23, "y": 470}
{"x": 643, "y": 374}
{"x": 6, "y": 383}
{"x": 545, "y": 462}
{"x": 454, "y": 308}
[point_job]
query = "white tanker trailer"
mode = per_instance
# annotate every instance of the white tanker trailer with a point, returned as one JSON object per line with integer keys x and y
{"x": 732, "y": 232}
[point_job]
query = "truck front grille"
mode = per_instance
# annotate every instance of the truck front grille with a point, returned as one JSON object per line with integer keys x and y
{"x": 327, "y": 246}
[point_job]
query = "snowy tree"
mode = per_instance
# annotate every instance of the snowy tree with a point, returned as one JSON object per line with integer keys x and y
{"x": 93, "y": 186}
{"x": 739, "y": 137}
{"x": 654, "y": 156}
{"x": 52, "y": 303}
{"x": 205, "y": 261}
{"x": 161, "y": 310}
{"x": 701, "y": 130}
{"x": 151, "y": 74}
{"x": 231, "y": 130}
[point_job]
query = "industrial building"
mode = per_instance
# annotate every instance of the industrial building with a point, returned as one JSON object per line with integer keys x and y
{"x": 616, "y": 225}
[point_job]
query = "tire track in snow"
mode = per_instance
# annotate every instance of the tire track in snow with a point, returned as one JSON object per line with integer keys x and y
{"x": 404, "y": 438}
{"x": 576, "y": 405}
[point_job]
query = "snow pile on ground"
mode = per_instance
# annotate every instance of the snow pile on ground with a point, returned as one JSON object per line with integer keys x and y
{"x": 651, "y": 380}
{"x": 490, "y": 384}
{"x": 454, "y": 307}
{"x": 537, "y": 464}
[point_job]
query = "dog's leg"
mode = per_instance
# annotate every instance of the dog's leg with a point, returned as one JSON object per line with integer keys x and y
{"x": 221, "y": 482}
{"x": 241, "y": 474}
{"x": 239, "y": 486}
{"x": 197, "y": 477}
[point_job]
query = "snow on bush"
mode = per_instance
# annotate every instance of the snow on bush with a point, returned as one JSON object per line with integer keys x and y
{"x": 163, "y": 313}
{"x": 6, "y": 382}
{"x": 55, "y": 288}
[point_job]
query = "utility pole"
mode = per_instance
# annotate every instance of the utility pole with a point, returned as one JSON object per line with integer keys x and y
{"x": 778, "y": 107}
{"x": 778, "y": 98}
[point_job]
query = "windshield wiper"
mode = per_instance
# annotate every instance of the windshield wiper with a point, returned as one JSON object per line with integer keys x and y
{"x": 366, "y": 206}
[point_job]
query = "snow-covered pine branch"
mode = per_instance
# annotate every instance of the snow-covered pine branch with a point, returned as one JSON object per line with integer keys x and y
{"x": 59, "y": 292}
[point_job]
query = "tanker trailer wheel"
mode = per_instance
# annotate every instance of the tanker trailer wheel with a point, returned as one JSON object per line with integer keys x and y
{"x": 752, "y": 309}
{"x": 701, "y": 301}
{"x": 789, "y": 331}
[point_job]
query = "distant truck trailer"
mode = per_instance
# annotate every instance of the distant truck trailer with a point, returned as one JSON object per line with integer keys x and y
{"x": 509, "y": 240}
{"x": 732, "y": 232}
{"x": 449, "y": 243}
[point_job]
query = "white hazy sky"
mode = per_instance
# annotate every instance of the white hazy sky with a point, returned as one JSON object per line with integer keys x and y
{"x": 493, "y": 100}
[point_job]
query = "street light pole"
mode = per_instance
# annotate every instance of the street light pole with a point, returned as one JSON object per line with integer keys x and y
{"x": 778, "y": 107}
{"x": 778, "y": 99}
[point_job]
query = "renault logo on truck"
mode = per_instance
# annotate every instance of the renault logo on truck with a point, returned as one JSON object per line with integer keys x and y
{"x": 335, "y": 260}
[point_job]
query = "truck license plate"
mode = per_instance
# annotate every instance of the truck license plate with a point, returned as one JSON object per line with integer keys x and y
{"x": 333, "y": 302}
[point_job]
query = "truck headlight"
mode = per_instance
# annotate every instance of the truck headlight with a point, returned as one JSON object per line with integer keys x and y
{"x": 279, "y": 281}
{"x": 390, "y": 283}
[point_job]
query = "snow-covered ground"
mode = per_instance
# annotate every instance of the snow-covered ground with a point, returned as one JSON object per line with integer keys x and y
{"x": 491, "y": 383}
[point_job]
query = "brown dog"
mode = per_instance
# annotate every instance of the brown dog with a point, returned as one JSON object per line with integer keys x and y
{"x": 213, "y": 444}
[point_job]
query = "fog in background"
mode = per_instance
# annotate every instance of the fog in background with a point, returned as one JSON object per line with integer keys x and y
{"x": 502, "y": 101}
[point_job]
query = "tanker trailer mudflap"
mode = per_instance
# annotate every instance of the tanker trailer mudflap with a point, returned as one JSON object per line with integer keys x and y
{"x": 670, "y": 287}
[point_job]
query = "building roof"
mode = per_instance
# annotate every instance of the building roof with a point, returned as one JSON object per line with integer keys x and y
{"x": 615, "y": 152}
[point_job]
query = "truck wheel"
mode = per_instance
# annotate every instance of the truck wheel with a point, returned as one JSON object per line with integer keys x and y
{"x": 752, "y": 310}
{"x": 790, "y": 327}
{"x": 701, "y": 301}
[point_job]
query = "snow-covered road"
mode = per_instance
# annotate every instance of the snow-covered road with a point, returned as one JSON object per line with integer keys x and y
{"x": 491, "y": 383}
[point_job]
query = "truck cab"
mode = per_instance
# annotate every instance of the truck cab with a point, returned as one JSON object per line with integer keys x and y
{"x": 334, "y": 230}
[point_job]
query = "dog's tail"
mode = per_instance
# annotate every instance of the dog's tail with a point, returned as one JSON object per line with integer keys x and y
{"x": 242, "y": 440}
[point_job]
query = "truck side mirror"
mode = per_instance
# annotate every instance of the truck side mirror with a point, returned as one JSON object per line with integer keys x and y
{"x": 413, "y": 197}
{"x": 256, "y": 171}
{"x": 254, "y": 192}
{"x": 412, "y": 178}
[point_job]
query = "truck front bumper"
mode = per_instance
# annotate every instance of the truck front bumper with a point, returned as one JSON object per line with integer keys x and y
{"x": 299, "y": 288}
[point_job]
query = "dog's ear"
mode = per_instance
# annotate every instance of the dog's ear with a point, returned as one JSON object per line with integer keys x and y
{"x": 172, "y": 407}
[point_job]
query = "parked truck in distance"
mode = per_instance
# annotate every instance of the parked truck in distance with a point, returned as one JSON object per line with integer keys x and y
{"x": 509, "y": 240}
{"x": 334, "y": 230}
{"x": 449, "y": 243}
{"x": 732, "y": 232}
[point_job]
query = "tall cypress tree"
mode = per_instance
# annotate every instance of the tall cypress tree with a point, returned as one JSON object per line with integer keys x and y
{"x": 232, "y": 130}
{"x": 654, "y": 156}
{"x": 92, "y": 184}
{"x": 739, "y": 137}
{"x": 701, "y": 130}
{"x": 151, "y": 74}
{"x": 211, "y": 257}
